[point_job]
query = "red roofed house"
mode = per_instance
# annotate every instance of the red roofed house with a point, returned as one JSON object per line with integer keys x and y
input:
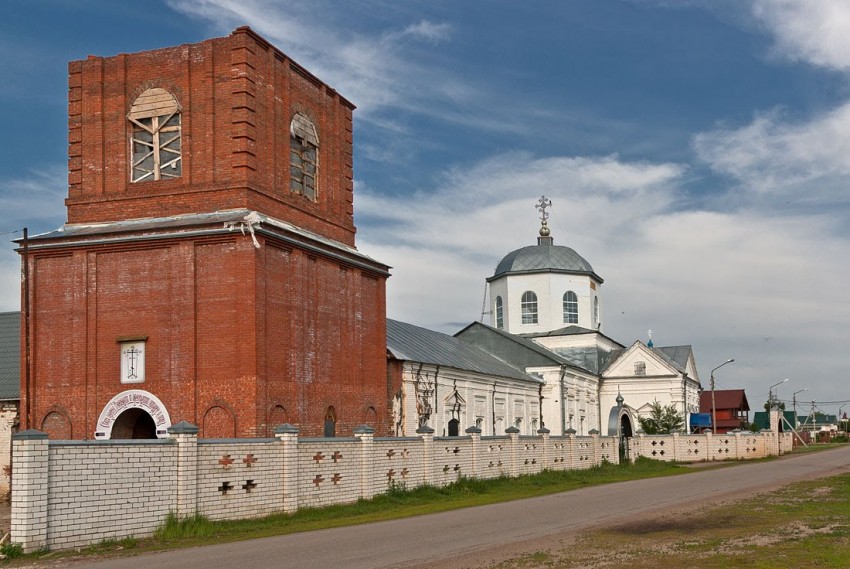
{"x": 731, "y": 408}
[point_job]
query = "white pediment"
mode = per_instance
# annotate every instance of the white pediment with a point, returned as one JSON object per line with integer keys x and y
{"x": 639, "y": 357}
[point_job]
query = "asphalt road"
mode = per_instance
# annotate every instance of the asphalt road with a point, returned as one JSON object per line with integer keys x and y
{"x": 438, "y": 539}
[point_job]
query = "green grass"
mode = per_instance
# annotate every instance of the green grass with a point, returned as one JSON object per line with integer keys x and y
{"x": 402, "y": 503}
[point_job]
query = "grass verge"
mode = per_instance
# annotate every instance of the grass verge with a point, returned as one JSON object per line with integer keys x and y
{"x": 803, "y": 526}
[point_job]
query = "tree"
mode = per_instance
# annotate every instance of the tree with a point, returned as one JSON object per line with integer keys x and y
{"x": 768, "y": 405}
{"x": 662, "y": 420}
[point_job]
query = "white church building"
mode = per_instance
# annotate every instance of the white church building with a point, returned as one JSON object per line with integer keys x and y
{"x": 558, "y": 370}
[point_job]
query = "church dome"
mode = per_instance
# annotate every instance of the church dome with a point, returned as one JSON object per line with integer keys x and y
{"x": 544, "y": 258}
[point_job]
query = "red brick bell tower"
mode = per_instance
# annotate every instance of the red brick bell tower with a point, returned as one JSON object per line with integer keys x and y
{"x": 208, "y": 270}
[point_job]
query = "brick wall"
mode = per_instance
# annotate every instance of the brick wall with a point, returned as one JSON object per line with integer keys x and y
{"x": 237, "y": 96}
{"x": 709, "y": 447}
{"x": 73, "y": 493}
{"x": 238, "y": 339}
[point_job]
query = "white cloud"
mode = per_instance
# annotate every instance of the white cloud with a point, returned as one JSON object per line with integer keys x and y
{"x": 811, "y": 31}
{"x": 749, "y": 284}
{"x": 775, "y": 155}
{"x": 374, "y": 70}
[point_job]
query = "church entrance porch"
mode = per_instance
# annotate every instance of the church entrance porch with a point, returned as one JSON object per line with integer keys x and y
{"x": 133, "y": 414}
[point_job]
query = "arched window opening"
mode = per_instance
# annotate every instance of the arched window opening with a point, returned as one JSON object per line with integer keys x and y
{"x": 57, "y": 426}
{"x": 303, "y": 156}
{"x": 454, "y": 428}
{"x": 330, "y": 422}
{"x": 134, "y": 423}
{"x": 570, "y": 308}
{"x": 155, "y": 143}
{"x": 500, "y": 320}
{"x": 529, "y": 308}
{"x": 596, "y": 312}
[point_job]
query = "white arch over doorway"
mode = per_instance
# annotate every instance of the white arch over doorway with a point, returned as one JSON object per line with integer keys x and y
{"x": 133, "y": 399}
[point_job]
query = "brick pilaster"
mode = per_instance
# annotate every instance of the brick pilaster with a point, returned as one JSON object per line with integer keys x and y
{"x": 30, "y": 489}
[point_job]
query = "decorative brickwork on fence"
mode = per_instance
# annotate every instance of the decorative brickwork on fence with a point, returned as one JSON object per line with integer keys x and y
{"x": 706, "y": 447}
{"x": 70, "y": 494}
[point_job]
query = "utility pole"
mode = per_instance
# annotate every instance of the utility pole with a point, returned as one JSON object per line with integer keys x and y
{"x": 794, "y": 402}
{"x": 713, "y": 402}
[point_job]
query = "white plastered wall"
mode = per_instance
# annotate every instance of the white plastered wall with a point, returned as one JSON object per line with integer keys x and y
{"x": 550, "y": 289}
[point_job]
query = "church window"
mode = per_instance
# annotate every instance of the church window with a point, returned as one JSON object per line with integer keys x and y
{"x": 500, "y": 316}
{"x": 570, "y": 308}
{"x": 155, "y": 144}
{"x": 529, "y": 308}
{"x": 303, "y": 156}
{"x": 596, "y": 311}
{"x": 640, "y": 368}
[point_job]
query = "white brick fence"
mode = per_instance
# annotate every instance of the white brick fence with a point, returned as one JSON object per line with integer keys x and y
{"x": 706, "y": 447}
{"x": 68, "y": 494}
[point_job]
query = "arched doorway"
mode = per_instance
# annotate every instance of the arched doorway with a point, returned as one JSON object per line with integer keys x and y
{"x": 134, "y": 423}
{"x": 454, "y": 428}
{"x": 132, "y": 413}
{"x": 626, "y": 432}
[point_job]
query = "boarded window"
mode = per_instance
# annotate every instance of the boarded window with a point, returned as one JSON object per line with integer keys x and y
{"x": 155, "y": 143}
{"x": 303, "y": 156}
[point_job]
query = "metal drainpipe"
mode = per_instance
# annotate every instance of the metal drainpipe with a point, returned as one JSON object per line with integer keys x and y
{"x": 563, "y": 402}
{"x": 540, "y": 405}
{"x": 493, "y": 406}
{"x": 436, "y": 387}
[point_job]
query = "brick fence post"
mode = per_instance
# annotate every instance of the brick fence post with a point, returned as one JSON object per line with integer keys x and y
{"x": 675, "y": 450}
{"x": 570, "y": 448}
{"x": 366, "y": 434}
{"x": 595, "y": 444}
{"x": 547, "y": 447}
{"x": 30, "y": 489}
{"x": 475, "y": 434}
{"x": 709, "y": 450}
{"x": 288, "y": 437}
{"x": 513, "y": 433}
{"x": 427, "y": 434}
{"x": 186, "y": 436}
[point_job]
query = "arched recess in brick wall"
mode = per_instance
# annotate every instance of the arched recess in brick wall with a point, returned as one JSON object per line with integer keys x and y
{"x": 57, "y": 425}
{"x": 330, "y": 422}
{"x": 277, "y": 416}
{"x": 219, "y": 423}
{"x": 370, "y": 417}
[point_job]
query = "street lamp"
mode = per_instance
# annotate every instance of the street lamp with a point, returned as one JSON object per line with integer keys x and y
{"x": 770, "y": 390}
{"x": 713, "y": 404}
{"x": 794, "y": 401}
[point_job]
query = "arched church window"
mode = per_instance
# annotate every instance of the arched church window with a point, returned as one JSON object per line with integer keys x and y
{"x": 596, "y": 312}
{"x": 500, "y": 319}
{"x": 303, "y": 156}
{"x": 529, "y": 307}
{"x": 570, "y": 308}
{"x": 155, "y": 144}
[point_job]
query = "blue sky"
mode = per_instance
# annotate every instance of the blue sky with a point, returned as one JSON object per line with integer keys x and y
{"x": 697, "y": 153}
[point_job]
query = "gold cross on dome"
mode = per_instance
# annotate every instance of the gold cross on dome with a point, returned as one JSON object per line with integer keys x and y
{"x": 541, "y": 206}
